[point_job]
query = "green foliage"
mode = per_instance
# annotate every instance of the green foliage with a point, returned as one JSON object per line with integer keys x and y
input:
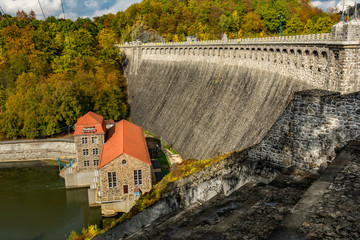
{"x": 294, "y": 26}
{"x": 164, "y": 163}
{"x": 176, "y": 19}
{"x": 54, "y": 71}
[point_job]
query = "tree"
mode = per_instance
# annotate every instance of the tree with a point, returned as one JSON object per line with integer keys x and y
{"x": 323, "y": 25}
{"x": 32, "y": 15}
{"x": 294, "y": 26}
{"x": 21, "y": 15}
{"x": 309, "y": 27}
{"x": 107, "y": 50}
{"x": 253, "y": 24}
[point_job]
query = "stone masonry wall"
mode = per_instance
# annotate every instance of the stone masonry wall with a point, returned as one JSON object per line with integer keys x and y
{"x": 317, "y": 63}
{"x": 36, "y": 150}
{"x": 124, "y": 176}
{"x": 205, "y": 109}
{"x": 207, "y": 99}
{"x": 314, "y": 126}
{"x": 90, "y": 146}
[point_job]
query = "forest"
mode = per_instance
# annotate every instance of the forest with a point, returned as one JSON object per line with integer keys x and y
{"x": 54, "y": 71}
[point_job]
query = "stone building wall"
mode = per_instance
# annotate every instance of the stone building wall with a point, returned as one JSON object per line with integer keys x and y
{"x": 91, "y": 157}
{"x": 315, "y": 125}
{"x": 124, "y": 176}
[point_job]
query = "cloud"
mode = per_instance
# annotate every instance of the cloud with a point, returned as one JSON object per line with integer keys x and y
{"x": 119, "y": 5}
{"x": 50, "y": 7}
{"x": 324, "y": 5}
{"x": 91, "y": 4}
{"x": 73, "y": 8}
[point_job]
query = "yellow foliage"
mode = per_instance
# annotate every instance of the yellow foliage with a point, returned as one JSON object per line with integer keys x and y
{"x": 176, "y": 38}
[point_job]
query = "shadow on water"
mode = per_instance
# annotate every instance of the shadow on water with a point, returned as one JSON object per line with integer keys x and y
{"x": 35, "y": 204}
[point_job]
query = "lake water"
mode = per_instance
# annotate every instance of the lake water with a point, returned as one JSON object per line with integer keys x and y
{"x": 34, "y": 203}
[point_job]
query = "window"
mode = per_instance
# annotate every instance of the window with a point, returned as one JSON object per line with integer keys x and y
{"x": 94, "y": 140}
{"x": 137, "y": 177}
{"x": 84, "y": 140}
{"x": 140, "y": 177}
{"x": 126, "y": 189}
{"x": 86, "y": 152}
{"x": 124, "y": 162}
{"x": 86, "y": 163}
{"x": 95, "y": 151}
{"x": 112, "y": 179}
{"x": 96, "y": 162}
{"x": 88, "y": 130}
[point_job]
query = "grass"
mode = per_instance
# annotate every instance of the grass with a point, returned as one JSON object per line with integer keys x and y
{"x": 165, "y": 145}
{"x": 150, "y": 198}
{"x": 164, "y": 163}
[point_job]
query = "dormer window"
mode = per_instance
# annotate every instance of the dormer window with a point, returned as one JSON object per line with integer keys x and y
{"x": 88, "y": 130}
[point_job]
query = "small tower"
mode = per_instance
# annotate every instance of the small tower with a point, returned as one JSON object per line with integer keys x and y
{"x": 89, "y": 137}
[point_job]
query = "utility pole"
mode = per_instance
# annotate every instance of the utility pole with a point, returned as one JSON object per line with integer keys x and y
{"x": 280, "y": 24}
{"x": 2, "y": 10}
{"x": 207, "y": 33}
{"x": 343, "y": 12}
{"x": 62, "y": 5}
{"x": 355, "y": 14}
{"x": 42, "y": 10}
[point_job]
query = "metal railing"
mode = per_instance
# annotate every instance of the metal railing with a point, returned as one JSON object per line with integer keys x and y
{"x": 321, "y": 37}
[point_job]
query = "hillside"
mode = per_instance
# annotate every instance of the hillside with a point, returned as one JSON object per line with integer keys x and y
{"x": 53, "y": 71}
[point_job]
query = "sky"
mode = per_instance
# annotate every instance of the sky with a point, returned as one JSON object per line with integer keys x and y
{"x": 73, "y": 8}
{"x": 91, "y": 8}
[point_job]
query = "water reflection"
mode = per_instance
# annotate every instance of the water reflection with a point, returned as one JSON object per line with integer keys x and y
{"x": 35, "y": 204}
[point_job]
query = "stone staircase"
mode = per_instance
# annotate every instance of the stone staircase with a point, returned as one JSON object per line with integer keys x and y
{"x": 286, "y": 208}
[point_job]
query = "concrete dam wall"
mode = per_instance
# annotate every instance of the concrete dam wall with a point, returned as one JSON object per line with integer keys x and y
{"x": 207, "y": 108}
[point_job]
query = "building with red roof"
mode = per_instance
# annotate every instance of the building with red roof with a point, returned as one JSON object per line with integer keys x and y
{"x": 125, "y": 165}
{"x": 89, "y": 137}
{"x": 118, "y": 159}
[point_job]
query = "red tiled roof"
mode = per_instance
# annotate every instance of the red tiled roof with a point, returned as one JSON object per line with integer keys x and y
{"x": 124, "y": 137}
{"x": 90, "y": 120}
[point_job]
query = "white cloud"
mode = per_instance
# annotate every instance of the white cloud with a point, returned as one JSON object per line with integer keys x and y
{"x": 50, "y": 7}
{"x": 324, "y": 5}
{"x": 71, "y": 3}
{"x": 120, "y": 5}
{"x": 93, "y": 4}
{"x": 73, "y": 8}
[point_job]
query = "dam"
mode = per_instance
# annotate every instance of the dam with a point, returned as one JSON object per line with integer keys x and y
{"x": 292, "y": 102}
{"x": 207, "y": 98}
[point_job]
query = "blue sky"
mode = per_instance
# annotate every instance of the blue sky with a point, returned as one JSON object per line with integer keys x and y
{"x": 73, "y": 8}
{"x": 91, "y": 8}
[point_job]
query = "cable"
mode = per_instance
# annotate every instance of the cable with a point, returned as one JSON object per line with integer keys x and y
{"x": 42, "y": 10}
{"x": 2, "y": 10}
{"x": 62, "y": 5}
